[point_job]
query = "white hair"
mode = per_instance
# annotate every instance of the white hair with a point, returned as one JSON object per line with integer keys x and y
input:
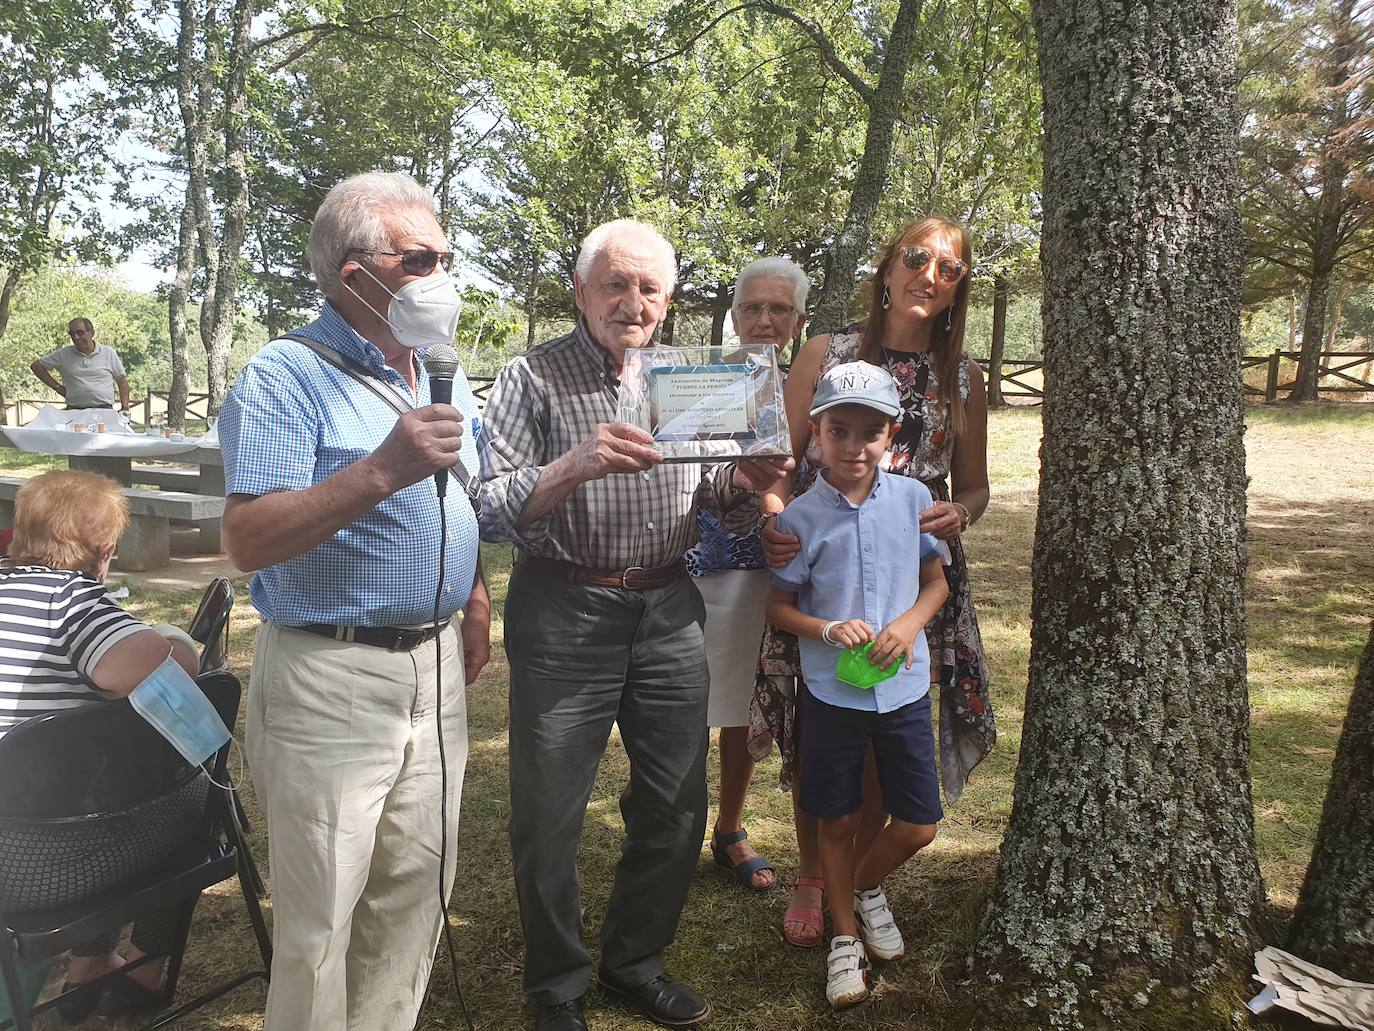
{"x": 352, "y": 217}
{"x": 776, "y": 268}
{"x": 597, "y": 239}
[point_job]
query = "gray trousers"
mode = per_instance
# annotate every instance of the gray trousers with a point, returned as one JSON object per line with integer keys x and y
{"x": 581, "y": 659}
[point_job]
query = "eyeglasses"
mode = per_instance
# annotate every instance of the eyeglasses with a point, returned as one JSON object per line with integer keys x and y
{"x": 418, "y": 261}
{"x": 950, "y": 270}
{"x": 775, "y": 311}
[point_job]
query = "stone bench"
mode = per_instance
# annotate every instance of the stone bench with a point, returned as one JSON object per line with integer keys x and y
{"x": 147, "y": 541}
{"x": 165, "y": 477}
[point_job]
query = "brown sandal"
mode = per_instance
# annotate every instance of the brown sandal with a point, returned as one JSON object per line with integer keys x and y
{"x": 810, "y": 917}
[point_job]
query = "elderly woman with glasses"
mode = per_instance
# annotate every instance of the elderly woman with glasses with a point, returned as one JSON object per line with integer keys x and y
{"x": 915, "y": 330}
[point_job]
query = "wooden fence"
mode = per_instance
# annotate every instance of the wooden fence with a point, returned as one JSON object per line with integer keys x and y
{"x": 1022, "y": 381}
{"x": 14, "y": 412}
{"x": 1014, "y": 381}
{"x": 1332, "y": 365}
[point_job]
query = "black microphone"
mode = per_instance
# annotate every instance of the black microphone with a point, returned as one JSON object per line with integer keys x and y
{"x": 441, "y": 365}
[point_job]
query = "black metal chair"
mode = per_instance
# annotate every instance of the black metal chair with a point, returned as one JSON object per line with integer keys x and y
{"x": 210, "y": 625}
{"x": 210, "y": 629}
{"x": 91, "y": 774}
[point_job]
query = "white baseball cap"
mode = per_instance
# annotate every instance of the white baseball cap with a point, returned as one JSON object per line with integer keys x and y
{"x": 857, "y": 383}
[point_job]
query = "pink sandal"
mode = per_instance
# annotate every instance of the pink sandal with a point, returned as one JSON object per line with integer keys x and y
{"x": 810, "y": 917}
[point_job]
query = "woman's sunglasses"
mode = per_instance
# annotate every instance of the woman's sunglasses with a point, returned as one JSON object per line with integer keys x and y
{"x": 418, "y": 261}
{"x": 950, "y": 270}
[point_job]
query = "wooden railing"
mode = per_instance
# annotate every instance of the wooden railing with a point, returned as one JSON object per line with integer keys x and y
{"x": 1332, "y": 364}
{"x": 1022, "y": 380}
{"x": 1012, "y": 383}
{"x": 197, "y": 407}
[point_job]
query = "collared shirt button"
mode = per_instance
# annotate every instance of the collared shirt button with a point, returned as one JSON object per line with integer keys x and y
{"x": 650, "y": 524}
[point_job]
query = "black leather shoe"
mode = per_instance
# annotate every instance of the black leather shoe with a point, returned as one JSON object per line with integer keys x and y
{"x": 561, "y": 1016}
{"x": 663, "y": 1000}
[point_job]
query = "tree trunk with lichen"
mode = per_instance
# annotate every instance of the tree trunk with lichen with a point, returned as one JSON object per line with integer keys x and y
{"x": 1129, "y": 861}
{"x": 1334, "y": 924}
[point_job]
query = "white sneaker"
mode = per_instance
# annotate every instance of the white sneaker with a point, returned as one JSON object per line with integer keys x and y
{"x": 846, "y": 979}
{"x": 877, "y": 926}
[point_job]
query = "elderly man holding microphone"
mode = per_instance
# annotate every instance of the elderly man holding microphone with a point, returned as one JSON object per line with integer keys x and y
{"x": 332, "y": 501}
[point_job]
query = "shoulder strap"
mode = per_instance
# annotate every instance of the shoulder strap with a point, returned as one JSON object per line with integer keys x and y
{"x": 470, "y": 484}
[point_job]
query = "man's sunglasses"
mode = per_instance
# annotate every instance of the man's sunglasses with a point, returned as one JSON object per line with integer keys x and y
{"x": 950, "y": 270}
{"x": 418, "y": 261}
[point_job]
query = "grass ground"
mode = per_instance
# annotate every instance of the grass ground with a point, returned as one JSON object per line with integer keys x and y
{"x": 1310, "y": 595}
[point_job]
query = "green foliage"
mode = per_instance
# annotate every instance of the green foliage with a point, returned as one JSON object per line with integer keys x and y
{"x": 1308, "y": 144}
{"x": 134, "y": 324}
{"x": 1023, "y": 327}
{"x": 490, "y": 332}
{"x": 59, "y": 91}
{"x": 970, "y": 143}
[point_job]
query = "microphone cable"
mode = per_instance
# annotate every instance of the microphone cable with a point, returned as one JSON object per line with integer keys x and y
{"x": 443, "y": 762}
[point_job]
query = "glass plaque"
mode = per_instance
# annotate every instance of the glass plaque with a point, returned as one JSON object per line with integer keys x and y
{"x": 706, "y": 404}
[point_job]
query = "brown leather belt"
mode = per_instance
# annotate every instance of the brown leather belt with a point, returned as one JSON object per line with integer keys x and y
{"x": 635, "y": 578}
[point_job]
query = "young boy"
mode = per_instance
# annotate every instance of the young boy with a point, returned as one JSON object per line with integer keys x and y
{"x": 865, "y": 572}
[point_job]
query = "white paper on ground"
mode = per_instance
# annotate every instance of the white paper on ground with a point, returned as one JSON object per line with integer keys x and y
{"x": 1311, "y": 991}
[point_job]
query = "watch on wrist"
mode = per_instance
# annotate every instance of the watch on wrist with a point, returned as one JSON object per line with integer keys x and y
{"x": 964, "y": 518}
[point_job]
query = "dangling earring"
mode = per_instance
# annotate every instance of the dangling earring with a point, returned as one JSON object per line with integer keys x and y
{"x": 949, "y": 318}
{"x": 887, "y": 298}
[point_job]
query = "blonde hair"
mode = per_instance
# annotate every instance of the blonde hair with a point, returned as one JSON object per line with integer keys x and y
{"x": 62, "y": 518}
{"x": 946, "y": 345}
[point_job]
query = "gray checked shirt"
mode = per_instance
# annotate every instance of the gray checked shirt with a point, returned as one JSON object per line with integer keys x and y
{"x": 544, "y": 404}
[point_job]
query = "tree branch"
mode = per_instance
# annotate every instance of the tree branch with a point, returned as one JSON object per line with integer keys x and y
{"x": 325, "y": 27}
{"x": 827, "y": 49}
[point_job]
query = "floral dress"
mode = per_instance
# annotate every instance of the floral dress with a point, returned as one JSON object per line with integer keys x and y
{"x": 923, "y": 446}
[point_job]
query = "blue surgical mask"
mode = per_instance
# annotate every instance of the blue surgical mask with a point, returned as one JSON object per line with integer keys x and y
{"x": 178, "y": 710}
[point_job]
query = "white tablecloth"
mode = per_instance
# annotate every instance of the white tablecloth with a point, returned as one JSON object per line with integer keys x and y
{"x": 47, "y": 434}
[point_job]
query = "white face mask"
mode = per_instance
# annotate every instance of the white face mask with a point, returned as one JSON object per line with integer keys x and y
{"x": 423, "y": 312}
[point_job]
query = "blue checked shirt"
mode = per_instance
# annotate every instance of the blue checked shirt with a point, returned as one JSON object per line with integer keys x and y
{"x": 292, "y": 420}
{"x": 859, "y": 562}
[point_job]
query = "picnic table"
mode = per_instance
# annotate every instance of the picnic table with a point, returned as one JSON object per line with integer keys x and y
{"x": 112, "y": 453}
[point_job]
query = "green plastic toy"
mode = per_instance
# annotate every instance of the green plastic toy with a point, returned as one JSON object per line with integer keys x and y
{"x": 854, "y": 668}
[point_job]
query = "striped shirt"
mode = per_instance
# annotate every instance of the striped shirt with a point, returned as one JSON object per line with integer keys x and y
{"x": 292, "y": 420}
{"x": 55, "y": 627}
{"x": 544, "y": 404}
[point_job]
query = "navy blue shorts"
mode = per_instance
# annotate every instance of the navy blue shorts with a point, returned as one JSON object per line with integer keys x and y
{"x": 832, "y": 760}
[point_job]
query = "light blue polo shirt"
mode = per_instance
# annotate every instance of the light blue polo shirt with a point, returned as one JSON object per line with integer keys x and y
{"x": 292, "y": 420}
{"x": 859, "y": 562}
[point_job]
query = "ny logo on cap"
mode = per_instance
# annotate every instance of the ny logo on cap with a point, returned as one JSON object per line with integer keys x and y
{"x": 854, "y": 379}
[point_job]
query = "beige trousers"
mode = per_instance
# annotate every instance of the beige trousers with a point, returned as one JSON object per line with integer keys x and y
{"x": 342, "y": 743}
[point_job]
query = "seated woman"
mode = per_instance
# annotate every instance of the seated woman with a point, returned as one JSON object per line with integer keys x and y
{"x": 68, "y": 644}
